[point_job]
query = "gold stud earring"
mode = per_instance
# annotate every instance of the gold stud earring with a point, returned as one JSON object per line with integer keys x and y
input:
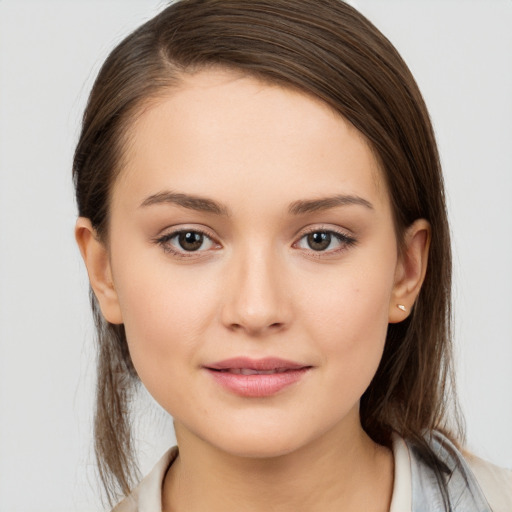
{"x": 401, "y": 307}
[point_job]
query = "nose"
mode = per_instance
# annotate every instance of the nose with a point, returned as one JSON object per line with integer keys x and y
{"x": 256, "y": 299}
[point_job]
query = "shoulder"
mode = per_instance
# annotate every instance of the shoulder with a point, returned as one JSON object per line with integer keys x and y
{"x": 459, "y": 479}
{"x": 495, "y": 482}
{"x": 147, "y": 496}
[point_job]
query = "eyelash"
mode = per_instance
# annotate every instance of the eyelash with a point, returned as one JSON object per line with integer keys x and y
{"x": 165, "y": 242}
{"x": 345, "y": 241}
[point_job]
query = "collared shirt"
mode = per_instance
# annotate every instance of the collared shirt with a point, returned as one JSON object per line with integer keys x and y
{"x": 495, "y": 483}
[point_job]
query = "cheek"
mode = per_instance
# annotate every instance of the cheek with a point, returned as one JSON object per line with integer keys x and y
{"x": 348, "y": 316}
{"x": 165, "y": 313}
{"x": 349, "y": 302}
{"x": 351, "y": 326}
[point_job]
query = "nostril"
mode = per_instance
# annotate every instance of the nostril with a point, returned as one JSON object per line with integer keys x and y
{"x": 276, "y": 326}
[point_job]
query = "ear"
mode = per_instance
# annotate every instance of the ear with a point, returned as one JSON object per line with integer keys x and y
{"x": 96, "y": 258}
{"x": 410, "y": 270}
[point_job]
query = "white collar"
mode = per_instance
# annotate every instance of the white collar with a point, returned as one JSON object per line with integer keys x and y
{"x": 401, "y": 500}
{"x": 147, "y": 497}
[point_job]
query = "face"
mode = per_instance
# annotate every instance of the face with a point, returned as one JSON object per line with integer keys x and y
{"x": 254, "y": 261}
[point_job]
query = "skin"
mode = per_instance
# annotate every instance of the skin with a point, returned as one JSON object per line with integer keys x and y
{"x": 256, "y": 288}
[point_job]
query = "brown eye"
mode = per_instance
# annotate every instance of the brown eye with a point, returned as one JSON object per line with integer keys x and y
{"x": 186, "y": 242}
{"x": 325, "y": 242}
{"x": 319, "y": 240}
{"x": 190, "y": 240}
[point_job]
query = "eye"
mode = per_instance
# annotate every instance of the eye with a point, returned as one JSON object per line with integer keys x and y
{"x": 186, "y": 241}
{"x": 324, "y": 241}
{"x": 189, "y": 240}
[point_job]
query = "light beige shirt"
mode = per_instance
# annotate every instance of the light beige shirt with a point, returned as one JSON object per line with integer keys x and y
{"x": 495, "y": 482}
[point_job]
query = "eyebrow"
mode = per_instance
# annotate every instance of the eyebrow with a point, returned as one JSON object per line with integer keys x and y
{"x": 299, "y": 207}
{"x": 198, "y": 203}
{"x": 312, "y": 205}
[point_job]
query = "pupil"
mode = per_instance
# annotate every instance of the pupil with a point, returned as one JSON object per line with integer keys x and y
{"x": 190, "y": 240}
{"x": 319, "y": 241}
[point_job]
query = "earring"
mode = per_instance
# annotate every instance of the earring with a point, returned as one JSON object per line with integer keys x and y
{"x": 401, "y": 307}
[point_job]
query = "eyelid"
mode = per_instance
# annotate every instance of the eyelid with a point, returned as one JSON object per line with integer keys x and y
{"x": 344, "y": 236}
{"x": 163, "y": 239}
{"x": 327, "y": 228}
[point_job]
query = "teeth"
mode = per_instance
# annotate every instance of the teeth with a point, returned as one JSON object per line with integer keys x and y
{"x": 249, "y": 371}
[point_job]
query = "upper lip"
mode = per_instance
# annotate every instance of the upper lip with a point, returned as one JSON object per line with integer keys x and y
{"x": 264, "y": 364}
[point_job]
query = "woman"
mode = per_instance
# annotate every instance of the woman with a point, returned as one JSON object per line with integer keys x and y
{"x": 262, "y": 218}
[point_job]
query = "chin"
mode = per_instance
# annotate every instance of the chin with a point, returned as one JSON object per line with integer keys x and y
{"x": 261, "y": 442}
{"x": 258, "y": 448}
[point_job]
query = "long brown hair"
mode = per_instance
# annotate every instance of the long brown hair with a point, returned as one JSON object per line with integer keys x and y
{"x": 328, "y": 50}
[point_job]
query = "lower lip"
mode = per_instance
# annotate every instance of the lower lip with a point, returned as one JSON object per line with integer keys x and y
{"x": 258, "y": 386}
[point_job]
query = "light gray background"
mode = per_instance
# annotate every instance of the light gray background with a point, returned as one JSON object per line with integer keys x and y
{"x": 461, "y": 54}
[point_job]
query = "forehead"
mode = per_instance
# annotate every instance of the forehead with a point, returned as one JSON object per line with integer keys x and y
{"x": 219, "y": 132}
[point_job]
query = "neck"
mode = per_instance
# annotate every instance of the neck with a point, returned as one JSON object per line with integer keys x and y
{"x": 339, "y": 471}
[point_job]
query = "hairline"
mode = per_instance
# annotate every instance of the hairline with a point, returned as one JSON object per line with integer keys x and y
{"x": 177, "y": 78}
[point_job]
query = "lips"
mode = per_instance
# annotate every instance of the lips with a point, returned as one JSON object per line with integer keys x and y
{"x": 256, "y": 378}
{"x": 249, "y": 371}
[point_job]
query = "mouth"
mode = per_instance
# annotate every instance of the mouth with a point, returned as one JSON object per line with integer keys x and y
{"x": 250, "y": 371}
{"x": 256, "y": 378}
